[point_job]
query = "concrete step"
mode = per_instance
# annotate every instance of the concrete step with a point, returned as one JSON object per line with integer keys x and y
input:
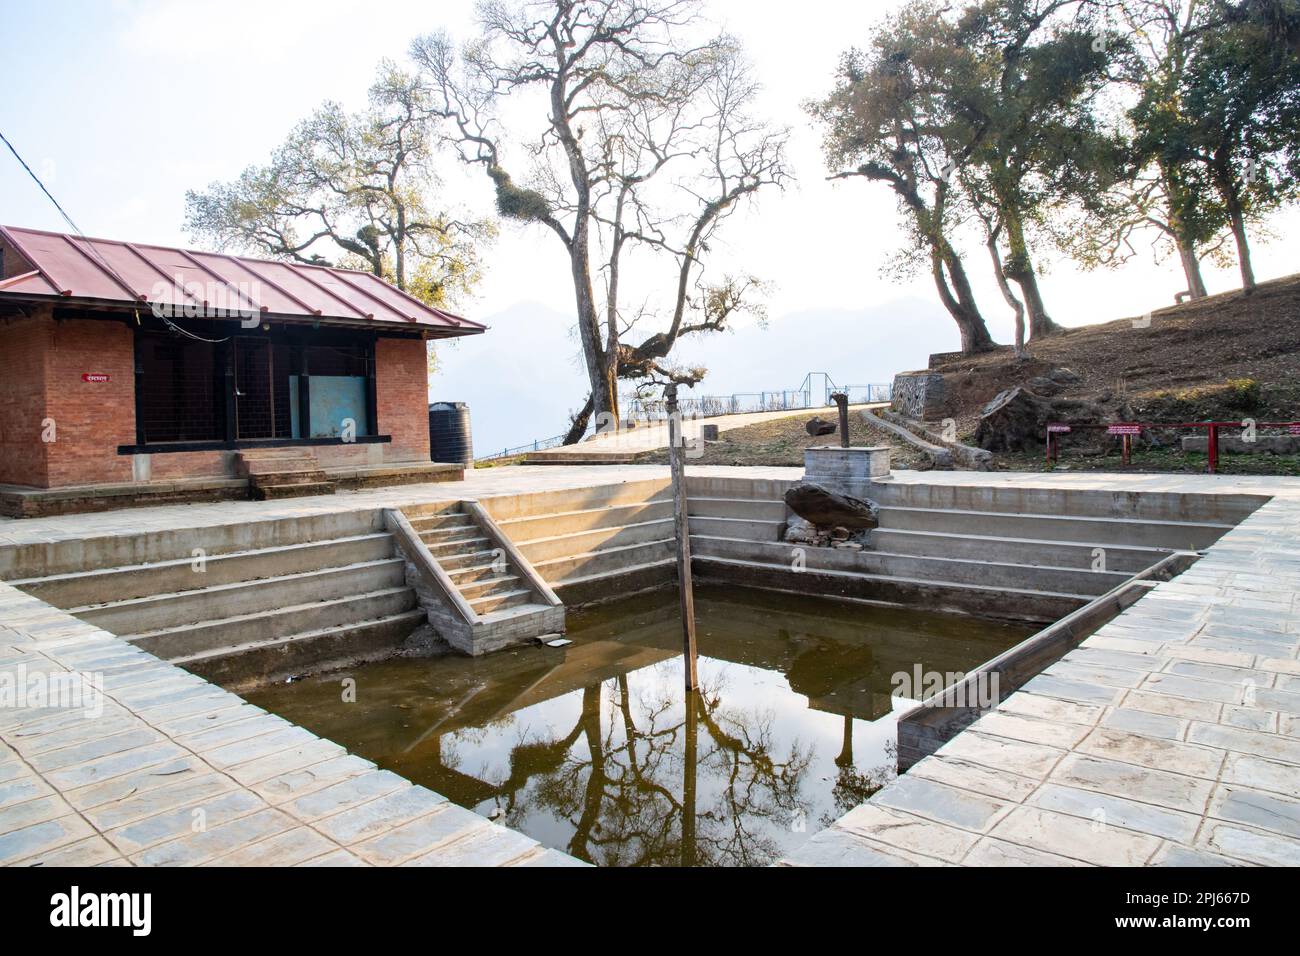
{"x": 258, "y": 467}
{"x": 432, "y": 509}
{"x": 507, "y": 507}
{"x": 941, "y": 570}
{"x": 757, "y": 489}
{"x": 758, "y": 509}
{"x": 472, "y": 573}
{"x": 137, "y": 615}
{"x": 559, "y": 546}
{"x": 610, "y": 458}
{"x": 450, "y": 534}
{"x": 998, "y": 602}
{"x": 90, "y": 553}
{"x": 441, "y": 522}
{"x": 274, "y": 658}
{"x": 1187, "y": 535}
{"x": 630, "y": 578}
{"x": 489, "y": 586}
{"x": 452, "y": 562}
{"x": 273, "y": 478}
{"x": 605, "y": 562}
{"x": 587, "y": 519}
{"x": 1082, "y": 502}
{"x": 468, "y": 545}
{"x": 748, "y": 528}
{"x": 500, "y": 600}
{"x": 1061, "y": 554}
{"x": 81, "y": 588}
{"x": 233, "y": 632}
{"x": 292, "y": 490}
{"x": 518, "y": 613}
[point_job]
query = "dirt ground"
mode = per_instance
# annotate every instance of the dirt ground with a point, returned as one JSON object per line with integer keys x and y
{"x": 782, "y": 441}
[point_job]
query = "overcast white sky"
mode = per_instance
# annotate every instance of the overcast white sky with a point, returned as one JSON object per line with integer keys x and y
{"x": 122, "y": 106}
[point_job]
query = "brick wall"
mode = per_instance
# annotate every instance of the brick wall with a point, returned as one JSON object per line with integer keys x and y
{"x": 22, "y": 399}
{"x": 402, "y": 398}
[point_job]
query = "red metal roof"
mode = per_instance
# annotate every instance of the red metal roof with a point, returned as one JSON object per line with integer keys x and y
{"x": 124, "y": 273}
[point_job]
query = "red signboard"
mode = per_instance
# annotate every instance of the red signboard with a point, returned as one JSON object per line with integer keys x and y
{"x": 1123, "y": 429}
{"x": 1294, "y": 429}
{"x": 94, "y": 376}
{"x": 1058, "y": 428}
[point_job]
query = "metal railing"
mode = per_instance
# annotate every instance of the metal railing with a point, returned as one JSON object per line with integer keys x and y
{"x": 814, "y": 392}
{"x": 1126, "y": 431}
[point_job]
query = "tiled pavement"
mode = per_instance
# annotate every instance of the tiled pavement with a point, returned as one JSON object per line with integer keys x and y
{"x": 1170, "y": 737}
{"x": 176, "y": 771}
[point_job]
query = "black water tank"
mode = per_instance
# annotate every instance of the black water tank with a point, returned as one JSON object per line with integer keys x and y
{"x": 449, "y": 435}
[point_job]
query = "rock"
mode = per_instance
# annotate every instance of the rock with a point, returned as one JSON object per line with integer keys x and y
{"x": 1013, "y": 421}
{"x": 1065, "y": 376}
{"x": 839, "y": 533}
{"x": 800, "y": 531}
{"x": 709, "y": 432}
{"x": 828, "y": 509}
{"x": 848, "y": 545}
{"x": 817, "y": 426}
{"x": 1043, "y": 386}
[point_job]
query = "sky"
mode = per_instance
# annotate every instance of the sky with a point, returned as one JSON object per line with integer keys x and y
{"x": 122, "y": 106}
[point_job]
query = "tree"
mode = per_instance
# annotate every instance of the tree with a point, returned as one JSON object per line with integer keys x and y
{"x": 889, "y": 120}
{"x": 643, "y": 139}
{"x": 1242, "y": 95}
{"x": 353, "y": 189}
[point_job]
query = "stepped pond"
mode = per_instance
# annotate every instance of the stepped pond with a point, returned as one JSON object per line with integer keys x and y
{"x": 590, "y": 748}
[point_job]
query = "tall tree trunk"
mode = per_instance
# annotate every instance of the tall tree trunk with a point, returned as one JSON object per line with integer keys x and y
{"x": 1191, "y": 269}
{"x": 955, "y": 293}
{"x": 1020, "y": 269}
{"x": 604, "y": 394}
{"x": 1231, "y": 195}
{"x": 1016, "y": 305}
{"x": 578, "y": 427}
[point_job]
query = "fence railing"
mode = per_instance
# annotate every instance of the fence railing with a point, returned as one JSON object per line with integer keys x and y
{"x": 1126, "y": 431}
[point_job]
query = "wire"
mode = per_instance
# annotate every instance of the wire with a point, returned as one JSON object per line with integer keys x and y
{"x": 91, "y": 250}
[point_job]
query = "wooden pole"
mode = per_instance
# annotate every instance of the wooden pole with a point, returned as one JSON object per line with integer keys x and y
{"x": 682, "y": 529}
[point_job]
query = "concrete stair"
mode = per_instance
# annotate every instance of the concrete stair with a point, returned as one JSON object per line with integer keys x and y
{"x": 275, "y": 598}
{"x": 287, "y": 472}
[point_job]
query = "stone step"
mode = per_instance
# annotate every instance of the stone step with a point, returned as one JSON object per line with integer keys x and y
{"x": 269, "y": 659}
{"x": 176, "y": 609}
{"x": 461, "y": 546}
{"x": 609, "y": 458}
{"x": 1022, "y": 604}
{"x": 1186, "y": 535}
{"x": 450, "y": 534}
{"x": 440, "y": 522}
{"x": 747, "y": 528}
{"x": 940, "y": 570}
{"x": 558, "y": 546}
{"x": 1017, "y": 550}
{"x": 498, "y": 601}
{"x": 748, "y": 508}
{"x": 292, "y": 490}
{"x": 230, "y": 633}
{"x": 279, "y": 478}
{"x": 81, "y": 588}
{"x": 431, "y": 509}
{"x": 630, "y": 578}
{"x": 457, "y": 561}
{"x": 518, "y": 613}
{"x": 259, "y": 467}
{"x": 605, "y": 562}
{"x": 506, "y": 507}
{"x": 587, "y": 519}
{"x": 486, "y": 587}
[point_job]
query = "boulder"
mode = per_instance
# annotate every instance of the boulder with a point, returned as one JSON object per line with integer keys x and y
{"x": 817, "y": 426}
{"x": 1065, "y": 376}
{"x": 829, "y": 509}
{"x": 1012, "y": 421}
{"x": 1042, "y": 385}
{"x": 800, "y": 531}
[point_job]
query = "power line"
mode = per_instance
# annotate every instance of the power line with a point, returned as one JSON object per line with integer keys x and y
{"x": 90, "y": 248}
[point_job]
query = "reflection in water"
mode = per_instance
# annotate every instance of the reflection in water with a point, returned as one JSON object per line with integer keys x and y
{"x": 595, "y": 750}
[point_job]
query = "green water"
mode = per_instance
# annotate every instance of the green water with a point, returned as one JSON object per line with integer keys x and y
{"x": 590, "y": 749}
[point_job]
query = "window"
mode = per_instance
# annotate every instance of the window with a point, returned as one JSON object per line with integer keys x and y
{"x": 179, "y": 393}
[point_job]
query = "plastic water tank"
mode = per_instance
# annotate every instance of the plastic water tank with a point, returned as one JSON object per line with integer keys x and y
{"x": 449, "y": 434}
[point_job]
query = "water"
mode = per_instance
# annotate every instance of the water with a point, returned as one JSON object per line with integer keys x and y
{"x": 590, "y": 749}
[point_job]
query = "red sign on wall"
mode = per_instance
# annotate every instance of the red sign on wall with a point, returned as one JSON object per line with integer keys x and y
{"x": 1124, "y": 429}
{"x": 94, "y": 376}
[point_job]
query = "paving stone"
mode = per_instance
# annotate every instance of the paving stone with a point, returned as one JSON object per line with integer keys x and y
{"x": 1263, "y": 848}
{"x": 93, "y": 749}
{"x": 198, "y": 848}
{"x": 376, "y": 816}
{"x": 336, "y": 858}
{"x": 1257, "y": 808}
{"x": 1153, "y": 752}
{"x": 908, "y": 832}
{"x": 419, "y": 836}
{"x": 346, "y": 794}
{"x": 285, "y": 761}
{"x": 1274, "y": 746}
{"x": 161, "y": 775}
{"x": 1263, "y": 774}
{"x": 1051, "y": 708}
{"x": 1250, "y": 718}
{"x": 1050, "y": 685}
{"x": 41, "y": 838}
{"x": 945, "y": 804}
{"x": 1145, "y": 723}
{"x": 968, "y": 776}
{"x": 1076, "y": 838}
{"x": 1096, "y": 674}
{"x": 178, "y": 821}
{"x": 233, "y": 732}
{"x": 1173, "y": 706}
{"x": 1117, "y": 811}
{"x": 1171, "y": 855}
{"x": 1194, "y": 688}
{"x": 232, "y": 755}
{"x": 93, "y": 851}
{"x": 188, "y": 791}
{"x": 991, "y": 852}
{"x": 1281, "y": 700}
{"x": 490, "y": 846}
{"x": 284, "y": 849}
{"x": 297, "y": 783}
{"x": 1031, "y": 730}
{"x": 999, "y": 753}
{"x": 115, "y": 765}
{"x": 1174, "y": 790}
{"x": 21, "y": 790}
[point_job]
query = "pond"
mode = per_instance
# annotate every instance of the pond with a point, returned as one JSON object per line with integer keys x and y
{"x": 590, "y": 748}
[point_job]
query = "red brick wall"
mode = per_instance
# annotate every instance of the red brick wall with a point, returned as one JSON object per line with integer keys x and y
{"x": 402, "y": 398}
{"x": 22, "y": 399}
{"x": 93, "y": 418}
